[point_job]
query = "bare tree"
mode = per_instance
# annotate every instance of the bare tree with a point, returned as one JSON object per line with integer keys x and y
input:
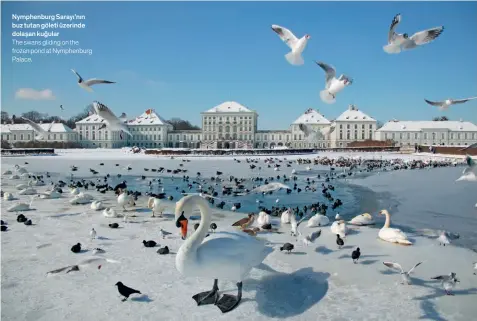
{"x": 180, "y": 124}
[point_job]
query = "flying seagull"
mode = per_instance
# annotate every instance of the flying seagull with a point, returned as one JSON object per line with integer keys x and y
{"x": 266, "y": 188}
{"x": 83, "y": 264}
{"x": 398, "y": 41}
{"x": 111, "y": 121}
{"x": 448, "y": 102}
{"x": 86, "y": 84}
{"x": 61, "y": 107}
{"x": 312, "y": 135}
{"x": 333, "y": 85}
{"x": 470, "y": 172}
{"x": 296, "y": 45}
{"x": 41, "y": 132}
{"x": 405, "y": 275}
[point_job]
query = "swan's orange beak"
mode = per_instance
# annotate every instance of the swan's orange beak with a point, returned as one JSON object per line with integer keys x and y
{"x": 184, "y": 224}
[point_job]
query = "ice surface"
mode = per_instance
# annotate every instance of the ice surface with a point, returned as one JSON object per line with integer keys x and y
{"x": 316, "y": 282}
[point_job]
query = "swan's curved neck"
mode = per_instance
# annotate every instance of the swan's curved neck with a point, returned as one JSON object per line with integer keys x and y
{"x": 192, "y": 243}
{"x": 388, "y": 220}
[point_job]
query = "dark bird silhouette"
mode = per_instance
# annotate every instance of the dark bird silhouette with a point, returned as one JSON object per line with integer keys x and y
{"x": 149, "y": 243}
{"x": 4, "y": 228}
{"x": 76, "y": 248}
{"x": 114, "y": 225}
{"x": 28, "y": 222}
{"x": 163, "y": 250}
{"x": 355, "y": 255}
{"x": 213, "y": 227}
{"x": 287, "y": 247}
{"x": 125, "y": 291}
{"x": 339, "y": 241}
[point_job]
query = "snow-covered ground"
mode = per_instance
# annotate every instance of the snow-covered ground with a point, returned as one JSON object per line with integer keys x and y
{"x": 316, "y": 282}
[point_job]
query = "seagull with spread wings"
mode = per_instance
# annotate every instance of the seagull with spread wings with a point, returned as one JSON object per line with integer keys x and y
{"x": 443, "y": 105}
{"x": 333, "y": 85}
{"x": 41, "y": 133}
{"x": 86, "y": 84}
{"x": 111, "y": 120}
{"x": 312, "y": 135}
{"x": 398, "y": 42}
{"x": 470, "y": 172}
{"x": 404, "y": 275}
{"x": 296, "y": 45}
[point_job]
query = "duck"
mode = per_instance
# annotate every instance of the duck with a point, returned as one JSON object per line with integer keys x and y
{"x": 318, "y": 220}
{"x": 363, "y": 219}
{"x": 149, "y": 243}
{"x": 125, "y": 200}
{"x": 263, "y": 219}
{"x": 339, "y": 227}
{"x": 110, "y": 212}
{"x": 76, "y": 248}
{"x": 392, "y": 235}
{"x": 224, "y": 255}
{"x": 97, "y": 205}
{"x": 286, "y": 216}
{"x": 155, "y": 205}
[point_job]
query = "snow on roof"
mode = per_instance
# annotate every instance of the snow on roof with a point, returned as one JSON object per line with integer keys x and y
{"x": 57, "y": 128}
{"x": 311, "y": 116}
{"x": 149, "y": 117}
{"x": 414, "y": 126}
{"x": 92, "y": 119}
{"x": 354, "y": 114}
{"x": 229, "y": 107}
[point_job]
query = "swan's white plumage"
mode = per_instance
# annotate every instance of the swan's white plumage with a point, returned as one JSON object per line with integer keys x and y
{"x": 28, "y": 191}
{"x": 19, "y": 207}
{"x": 263, "y": 218}
{"x": 339, "y": 227}
{"x": 226, "y": 255}
{"x": 97, "y": 205}
{"x": 110, "y": 212}
{"x": 363, "y": 219}
{"x": 318, "y": 220}
{"x": 285, "y": 218}
{"x": 392, "y": 235}
{"x": 8, "y": 196}
{"x": 50, "y": 195}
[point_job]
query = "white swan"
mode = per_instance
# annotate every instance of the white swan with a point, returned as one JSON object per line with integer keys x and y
{"x": 97, "y": 205}
{"x": 339, "y": 227}
{"x": 263, "y": 218}
{"x": 392, "y": 235}
{"x": 110, "y": 212}
{"x": 363, "y": 219}
{"x": 50, "y": 195}
{"x": 20, "y": 170}
{"x": 7, "y": 172}
{"x": 155, "y": 205}
{"x": 318, "y": 220}
{"x": 8, "y": 196}
{"x": 37, "y": 183}
{"x": 285, "y": 218}
{"x": 125, "y": 200}
{"x": 81, "y": 198}
{"x": 74, "y": 191}
{"x": 15, "y": 176}
{"x": 222, "y": 255}
{"x": 308, "y": 168}
{"x": 28, "y": 191}
{"x": 23, "y": 186}
{"x": 19, "y": 207}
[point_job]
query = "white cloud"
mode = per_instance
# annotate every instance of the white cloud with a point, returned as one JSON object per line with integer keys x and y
{"x": 33, "y": 94}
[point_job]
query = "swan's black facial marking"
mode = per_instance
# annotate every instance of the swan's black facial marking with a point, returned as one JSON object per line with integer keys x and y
{"x": 180, "y": 219}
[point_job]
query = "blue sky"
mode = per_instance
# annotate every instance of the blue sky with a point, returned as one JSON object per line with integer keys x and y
{"x": 182, "y": 58}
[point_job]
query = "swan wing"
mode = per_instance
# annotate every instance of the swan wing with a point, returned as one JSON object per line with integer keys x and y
{"x": 231, "y": 248}
{"x": 415, "y": 266}
{"x": 394, "y": 266}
